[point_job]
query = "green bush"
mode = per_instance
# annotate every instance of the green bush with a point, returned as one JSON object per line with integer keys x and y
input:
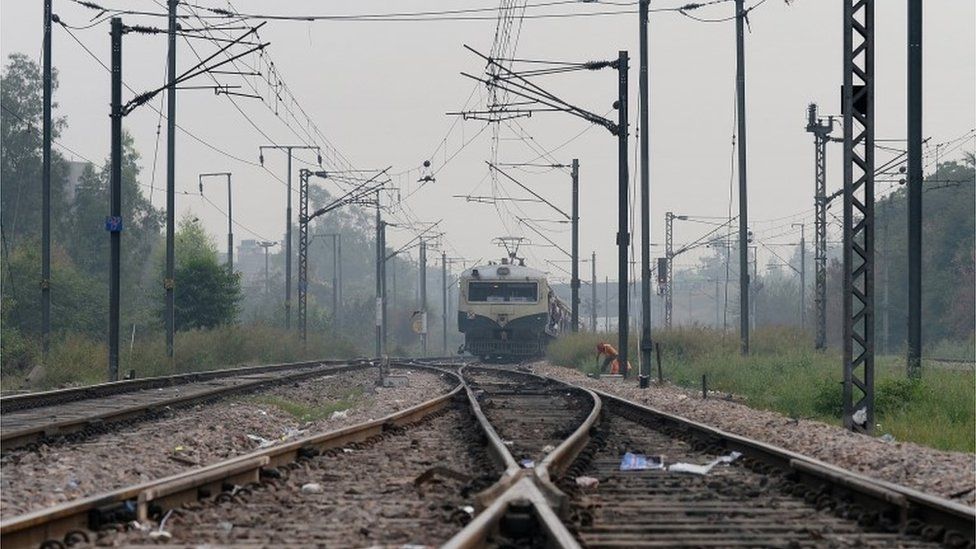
{"x": 828, "y": 399}
{"x": 76, "y": 360}
{"x": 891, "y": 395}
{"x": 784, "y": 373}
{"x": 18, "y": 352}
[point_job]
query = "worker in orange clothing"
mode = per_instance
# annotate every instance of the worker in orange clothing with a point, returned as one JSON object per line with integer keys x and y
{"x": 608, "y": 351}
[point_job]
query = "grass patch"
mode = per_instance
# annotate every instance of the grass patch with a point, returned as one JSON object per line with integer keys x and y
{"x": 77, "y": 360}
{"x": 305, "y": 412}
{"x": 783, "y": 373}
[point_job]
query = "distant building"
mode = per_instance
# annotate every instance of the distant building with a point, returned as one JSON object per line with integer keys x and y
{"x": 250, "y": 262}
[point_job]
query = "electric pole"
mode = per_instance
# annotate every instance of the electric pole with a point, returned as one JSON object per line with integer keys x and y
{"x": 803, "y": 274}
{"x": 230, "y": 216}
{"x": 336, "y": 280}
{"x": 444, "y": 298}
{"x": 575, "y": 282}
{"x": 423, "y": 298}
{"x": 753, "y": 288}
{"x": 46, "y": 190}
{"x": 740, "y": 89}
{"x": 383, "y": 301}
{"x": 821, "y": 136}
{"x": 303, "y": 177}
{"x": 668, "y": 277}
{"x": 623, "y": 230}
{"x": 380, "y": 256}
{"x": 718, "y": 309}
{"x": 669, "y": 255}
{"x": 114, "y": 223}
{"x": 267, "y": 280}
{"x": 915, "y": 177}
{"x": 645, "y": 183}
{"x": 169, "y": 282}
{"x": 858, "y": 110}
{"x": 288, "y": 149}
{"x": 593, "y": 290}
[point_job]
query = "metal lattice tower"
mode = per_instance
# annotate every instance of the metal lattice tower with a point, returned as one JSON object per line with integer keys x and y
{"x": 669, "y": 275}
{"x": 858, "y": 103}
{"x": 303, "y": 176}
{"x": 821, "y": 136}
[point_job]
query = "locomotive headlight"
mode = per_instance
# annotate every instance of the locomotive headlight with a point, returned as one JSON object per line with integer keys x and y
{"x": 502, "y": 271}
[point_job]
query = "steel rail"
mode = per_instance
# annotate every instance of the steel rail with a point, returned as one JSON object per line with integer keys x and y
{"x": 527, "y": 489}
{"x": 157, "y": 496}
{"x": 15, "y": 438}
{"x": 39, "y": 399}
{"x": 931, "y": 516}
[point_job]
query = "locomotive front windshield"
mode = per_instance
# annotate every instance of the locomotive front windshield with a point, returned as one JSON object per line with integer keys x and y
{"x": 503, "y": 292}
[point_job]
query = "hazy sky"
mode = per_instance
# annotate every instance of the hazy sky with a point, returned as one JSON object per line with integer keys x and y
{"x": 380, "y": 90}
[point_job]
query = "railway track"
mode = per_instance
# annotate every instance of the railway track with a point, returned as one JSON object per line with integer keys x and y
{"x": 531, "y": 415}
{"x": 76, "y": 413}
{"x": 767, "y": 497}
{"x": 510, "y": 446}
{"x": 112, "y": 512}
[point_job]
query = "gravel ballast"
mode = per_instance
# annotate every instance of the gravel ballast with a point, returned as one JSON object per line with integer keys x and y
{"x": 946, "y": 474}
{"x": 188, "y": 438}
{"x": 413, "y": 487}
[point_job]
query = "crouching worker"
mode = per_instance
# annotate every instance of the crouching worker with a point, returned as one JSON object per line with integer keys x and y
{"x": 610, "y": 358}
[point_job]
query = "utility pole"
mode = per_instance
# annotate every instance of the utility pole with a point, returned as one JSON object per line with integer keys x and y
{"x": 718, "y": 309}
{"x": 858, "y": 110}
{"x": 669, "y": 255}
{"x": 885, "y": 330}
{"x": 575, "y": 282}
{"x": 623, "y": 232}
{"x": 803, "y": 274}
{"x": 380, "y": 256}
{"x": 606, "y": 302}
{"x": 336, "y": 279}
{"x": 752, "y": 288}
{"x": 304, "y": 218}
{"x": 645, "y": 175}
{"x": 444, "y": 299}
{"x": 288, "y": 149}
{"x": 114, "y": 223}
{"x": 668, "y": 276}
{"x": 915, "y": 177}
{"x": 423, "y": 298}
{"x": 267, "y": 279}
{"x": 303, "y": 177}
{"x": 169, "y": 282}
{"x": 740, "y": 89}
{"x": 46, "y": 190}
{"x": 821, "y": 136}
{"x": 593, "y": 291}
{"x": 230, "y": 216}
{"x": 383, "y": 300}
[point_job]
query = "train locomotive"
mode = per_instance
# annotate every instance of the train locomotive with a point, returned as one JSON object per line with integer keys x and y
{"x": 508, "y": 312}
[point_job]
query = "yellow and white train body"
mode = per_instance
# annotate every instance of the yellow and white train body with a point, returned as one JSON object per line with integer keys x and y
{"x": 508, "y": 311}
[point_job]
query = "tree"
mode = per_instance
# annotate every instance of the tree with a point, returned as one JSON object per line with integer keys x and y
{"x": 20, "y": 151}
{"x": 207, "y": 294}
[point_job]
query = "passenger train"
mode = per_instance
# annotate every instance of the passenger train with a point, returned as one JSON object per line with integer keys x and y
{"x": 508, "y": 312}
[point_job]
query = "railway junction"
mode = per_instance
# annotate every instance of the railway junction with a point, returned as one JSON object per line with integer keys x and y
{"x": 460, "y": 454}
{"x": 469, "y": 336}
